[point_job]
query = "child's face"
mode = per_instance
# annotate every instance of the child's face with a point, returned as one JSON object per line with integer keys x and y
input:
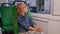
{"x": 25, "y": 9}
{"x": 22, "y": 8}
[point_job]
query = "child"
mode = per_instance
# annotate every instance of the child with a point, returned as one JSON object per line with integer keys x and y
{"x": 25, "y": 23}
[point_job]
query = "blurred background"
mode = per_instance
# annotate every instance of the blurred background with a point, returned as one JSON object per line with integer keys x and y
{"x": 37, "y": 6}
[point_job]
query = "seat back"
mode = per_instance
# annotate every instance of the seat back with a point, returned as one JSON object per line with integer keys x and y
{"x": 9, "y": 18}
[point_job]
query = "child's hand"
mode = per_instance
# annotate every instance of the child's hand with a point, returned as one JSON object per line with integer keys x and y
{"x": 35, "y": 26}
{"x": 32, "y": 28}
{"x": 39, "y": 29}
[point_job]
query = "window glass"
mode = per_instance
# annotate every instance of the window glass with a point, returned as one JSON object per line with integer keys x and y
{"x": 40, "y": 6}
